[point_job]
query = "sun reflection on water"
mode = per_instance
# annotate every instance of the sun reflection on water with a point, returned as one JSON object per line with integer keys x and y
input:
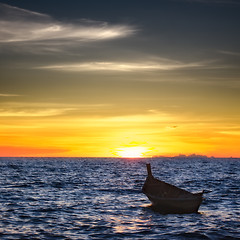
{"x": 126, "y": 224}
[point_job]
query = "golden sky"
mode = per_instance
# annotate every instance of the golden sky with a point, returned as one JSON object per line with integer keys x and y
{"x": 122, "y": 80}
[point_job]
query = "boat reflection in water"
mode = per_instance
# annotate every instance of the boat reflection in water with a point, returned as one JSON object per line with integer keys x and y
{"x": 167, "y": 198}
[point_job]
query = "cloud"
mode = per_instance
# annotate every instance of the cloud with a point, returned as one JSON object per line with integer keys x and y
{"x": 235, "y": 133}
{"x": 22, "y": 26}
{"x": 33, "y": 113}
{"x": 237, "y": 54}
{"x": 123, "y": 66}
{"x": 9, "y": 95}
{"x": 36, "y": 109}
{"x": 31, "y": 151}
{"x": 24, "y": 109}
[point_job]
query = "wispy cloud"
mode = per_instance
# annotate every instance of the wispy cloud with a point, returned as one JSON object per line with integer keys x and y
{"x": 38, "y": 109}
{"x": 9, "y": 95}
{"x": 124, "y": 66}
{"x": 235, "y": 133}
{"x": 237, "y": 54}
{"x": 33, "y": 112}
{"x": 19, "y": 25}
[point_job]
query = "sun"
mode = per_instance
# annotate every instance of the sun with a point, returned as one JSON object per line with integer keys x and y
{"x": 131, "y": 152}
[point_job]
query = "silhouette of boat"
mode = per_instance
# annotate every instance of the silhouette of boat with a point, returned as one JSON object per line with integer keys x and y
{"x": 167, "y": 198}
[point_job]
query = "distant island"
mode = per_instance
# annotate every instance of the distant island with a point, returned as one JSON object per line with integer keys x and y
{"x": 191, "y": 156}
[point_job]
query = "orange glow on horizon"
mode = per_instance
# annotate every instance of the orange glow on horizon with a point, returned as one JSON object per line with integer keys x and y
{"x": 134, "y": 136}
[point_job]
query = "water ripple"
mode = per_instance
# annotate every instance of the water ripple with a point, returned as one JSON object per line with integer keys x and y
{"x": 77, "y": 198}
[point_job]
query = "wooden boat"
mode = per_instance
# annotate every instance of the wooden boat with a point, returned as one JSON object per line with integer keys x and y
{"x": 167, "y": 198}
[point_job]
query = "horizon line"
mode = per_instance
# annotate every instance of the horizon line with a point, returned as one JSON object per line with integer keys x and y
{"x": 130, "y": 158}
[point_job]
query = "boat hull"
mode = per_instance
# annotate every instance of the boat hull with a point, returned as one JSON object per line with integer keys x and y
{"x": 175, "y": 205}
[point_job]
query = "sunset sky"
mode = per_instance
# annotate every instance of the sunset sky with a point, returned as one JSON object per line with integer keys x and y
{"x": 122, "y": 78}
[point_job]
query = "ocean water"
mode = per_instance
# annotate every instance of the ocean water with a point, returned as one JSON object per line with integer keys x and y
{"x": 97, "y": 198}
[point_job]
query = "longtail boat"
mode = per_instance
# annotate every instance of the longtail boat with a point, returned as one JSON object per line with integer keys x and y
{"x": 167, "y": 198}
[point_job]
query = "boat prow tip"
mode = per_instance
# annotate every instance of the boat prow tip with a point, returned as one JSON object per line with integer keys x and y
{"x": 149, "y": 170}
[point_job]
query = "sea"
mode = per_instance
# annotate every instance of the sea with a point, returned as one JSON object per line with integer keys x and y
{"x": 101, "y": 198}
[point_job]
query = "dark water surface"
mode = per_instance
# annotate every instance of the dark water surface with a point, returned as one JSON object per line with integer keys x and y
{"x": 96, "y": 198}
